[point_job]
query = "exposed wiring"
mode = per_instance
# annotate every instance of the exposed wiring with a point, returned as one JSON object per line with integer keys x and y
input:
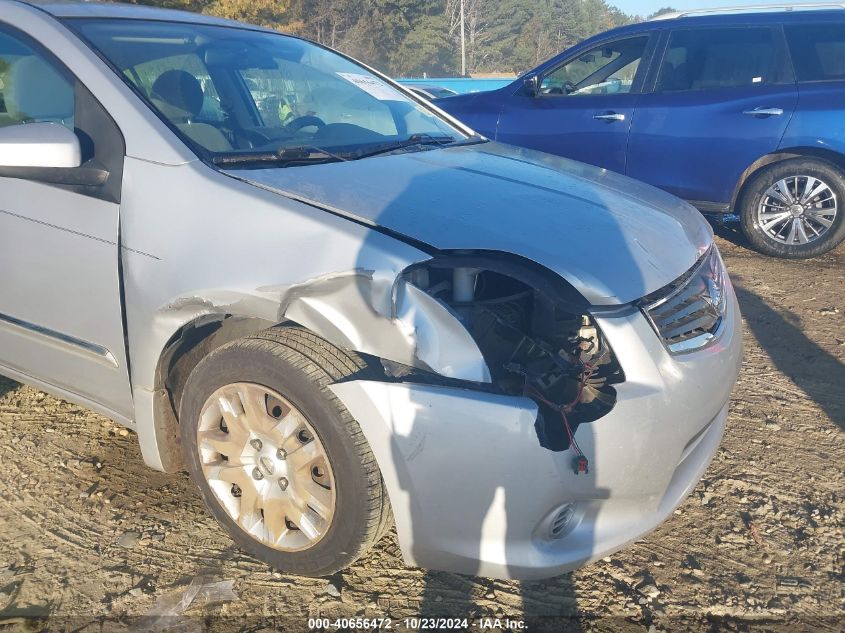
{"x": 580, "y": 464}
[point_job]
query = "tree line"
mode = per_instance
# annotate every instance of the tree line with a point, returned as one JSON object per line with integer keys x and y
{"x": 416, "y": 37}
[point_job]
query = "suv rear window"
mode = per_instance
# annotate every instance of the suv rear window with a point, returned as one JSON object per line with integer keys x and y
{"x": 719, "y": 58}
{"x": 818, "y": 51}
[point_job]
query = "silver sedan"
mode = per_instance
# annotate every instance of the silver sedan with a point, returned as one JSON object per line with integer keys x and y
{"x": 338, "y": 308}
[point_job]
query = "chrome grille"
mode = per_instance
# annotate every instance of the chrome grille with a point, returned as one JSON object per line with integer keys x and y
{"x": 687, "y": 313}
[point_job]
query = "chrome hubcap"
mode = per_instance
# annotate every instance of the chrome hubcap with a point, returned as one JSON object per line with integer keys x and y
{"x": 266, "y": 466}
{"x": 797, "y": 210}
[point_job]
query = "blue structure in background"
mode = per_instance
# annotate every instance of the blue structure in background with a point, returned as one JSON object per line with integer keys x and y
{"x": 461, "y": 85}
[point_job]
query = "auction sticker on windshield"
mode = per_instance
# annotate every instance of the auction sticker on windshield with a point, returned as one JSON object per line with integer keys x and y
{"x": 373, "y": 86}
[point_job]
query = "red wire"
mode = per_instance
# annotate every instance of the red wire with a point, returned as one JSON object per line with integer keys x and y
{"x": 585, "y": 376}
{"x": 562, "y": 409}
{"x": 572, "y": 441}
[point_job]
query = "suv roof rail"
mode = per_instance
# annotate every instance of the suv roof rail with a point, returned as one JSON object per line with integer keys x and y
{"x": 751, "y": 8}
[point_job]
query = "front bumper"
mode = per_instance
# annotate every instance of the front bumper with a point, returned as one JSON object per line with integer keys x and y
{"x": 473, "y": 491}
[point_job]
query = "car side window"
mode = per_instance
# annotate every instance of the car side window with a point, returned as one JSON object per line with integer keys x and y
{"x": 709, "y": 59}
{"x": 818, "y": 51}
{"x": 604, "y": 70}
{"x": 32, "y": 89}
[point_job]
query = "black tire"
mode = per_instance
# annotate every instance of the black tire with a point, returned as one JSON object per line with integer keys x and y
{"x": 755, "y": 189}
{"x": 299, "y": 366}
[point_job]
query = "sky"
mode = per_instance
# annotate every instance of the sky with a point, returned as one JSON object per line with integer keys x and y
{"x": 646, "y": 7}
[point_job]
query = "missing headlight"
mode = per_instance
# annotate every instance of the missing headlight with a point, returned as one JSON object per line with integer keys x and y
{"x": 538, "y": 340}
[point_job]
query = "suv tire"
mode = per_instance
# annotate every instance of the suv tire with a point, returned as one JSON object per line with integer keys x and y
{"x": 262, "y": 398}
{"x": 769, "y": 214}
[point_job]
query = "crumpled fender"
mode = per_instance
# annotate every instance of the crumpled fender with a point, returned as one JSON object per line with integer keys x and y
{"x": 366, "y": 311}
{"x": 373, "y": 312}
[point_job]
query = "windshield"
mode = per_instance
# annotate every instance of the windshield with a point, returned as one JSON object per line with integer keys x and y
{"x": 238, "y": 95}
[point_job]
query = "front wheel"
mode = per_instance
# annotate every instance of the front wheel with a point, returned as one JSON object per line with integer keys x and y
{"x": 278, "y": 459}
{"x": 794, "y": 209}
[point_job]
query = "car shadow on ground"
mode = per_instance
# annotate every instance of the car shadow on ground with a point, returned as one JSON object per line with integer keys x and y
{"x": 549, "y": 605}
{"x": 7, "y": 385}
{"x": 559, "y": 593}
{"x": 816, "y": 371}
{"x": 728, "y": 228}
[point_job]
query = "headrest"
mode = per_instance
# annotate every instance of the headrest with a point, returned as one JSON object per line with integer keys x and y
{"x": 36, "y": 92}
{"x": 180, "y": 90}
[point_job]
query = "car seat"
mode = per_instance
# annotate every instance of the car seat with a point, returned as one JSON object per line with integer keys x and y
{"x": 178, "y": 95}
{"x": 36, "y": 92}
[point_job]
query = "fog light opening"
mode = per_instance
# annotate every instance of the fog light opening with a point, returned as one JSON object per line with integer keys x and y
{"x": 561, "y": 521}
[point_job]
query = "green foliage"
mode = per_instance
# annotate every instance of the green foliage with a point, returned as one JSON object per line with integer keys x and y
{"x": 412, "y": 37}
{"x": 270, "y": 13}
{"x": 661, "y": 12}
{"x": 426, "y": 48}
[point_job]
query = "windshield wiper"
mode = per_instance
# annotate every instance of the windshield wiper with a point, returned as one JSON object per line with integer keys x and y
{"x": 415, "y": 140}
{"x": 284, "y": 157}
{"x": 311, "y": 154}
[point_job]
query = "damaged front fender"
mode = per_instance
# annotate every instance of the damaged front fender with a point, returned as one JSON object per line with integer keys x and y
{"x": 386, "y": 317}
{"x": 371, "y": 312}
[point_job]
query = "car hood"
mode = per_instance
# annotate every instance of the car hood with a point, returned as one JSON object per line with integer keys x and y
{"x": 614, "y": 239}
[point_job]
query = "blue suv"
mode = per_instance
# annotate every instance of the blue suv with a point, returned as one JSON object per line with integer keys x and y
{"x": 733, "y": 111}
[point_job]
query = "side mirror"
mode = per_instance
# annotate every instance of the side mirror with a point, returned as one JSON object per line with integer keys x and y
{"x": 45, "y": 152}
{"x": 532, "y": 85}
{"x": 39, "y": 145}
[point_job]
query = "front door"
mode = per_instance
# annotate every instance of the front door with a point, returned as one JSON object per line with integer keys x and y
{"x": 60, "y": 309}
{"x": 723, "y": 99}
{"x": 583, "y": 107}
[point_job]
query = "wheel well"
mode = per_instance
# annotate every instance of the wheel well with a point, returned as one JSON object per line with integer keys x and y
{"x": 193, "y": 342}
{"x": 827, "y": 155}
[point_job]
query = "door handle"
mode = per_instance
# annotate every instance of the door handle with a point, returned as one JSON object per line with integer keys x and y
{"x": 764, "y": 112}
{"x": 609, "y": 116}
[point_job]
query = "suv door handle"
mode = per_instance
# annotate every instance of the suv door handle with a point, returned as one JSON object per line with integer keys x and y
{"x": 764, "y": 112}
{"x": 609, "y": 116}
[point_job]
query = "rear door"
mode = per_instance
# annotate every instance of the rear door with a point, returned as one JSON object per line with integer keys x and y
{"x": 584, "y": 105}
{"x": 722, "y": 99}
{"x": 818, "y": 54}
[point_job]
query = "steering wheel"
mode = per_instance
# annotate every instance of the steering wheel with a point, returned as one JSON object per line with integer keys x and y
{"x": 305, "y": 121}
{"x": 569, "y": 87}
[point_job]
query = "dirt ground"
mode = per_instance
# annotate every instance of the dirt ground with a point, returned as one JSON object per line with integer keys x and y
{"x": 90, "y": 538}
